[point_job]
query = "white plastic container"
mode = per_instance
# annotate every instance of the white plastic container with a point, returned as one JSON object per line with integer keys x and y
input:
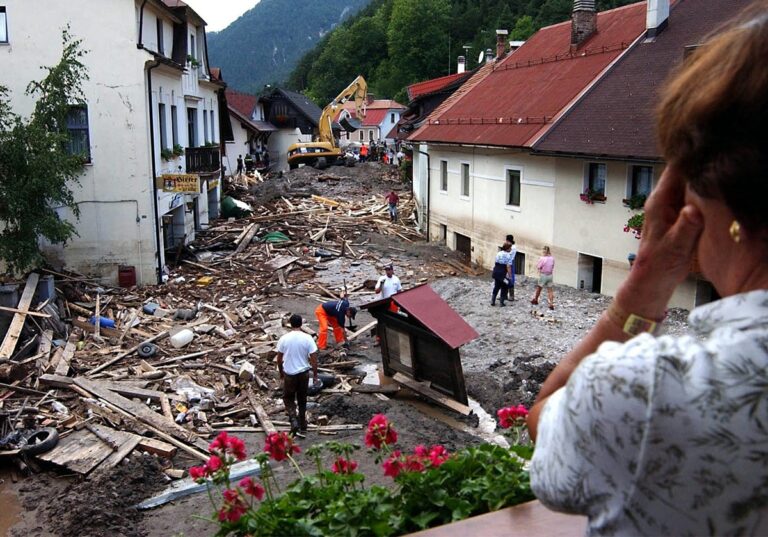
{"x": 182, "y": 338}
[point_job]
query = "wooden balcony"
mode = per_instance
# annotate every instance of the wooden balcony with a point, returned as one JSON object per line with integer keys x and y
{"x": 203, "y": 159}
{"x": 529, "y": 519}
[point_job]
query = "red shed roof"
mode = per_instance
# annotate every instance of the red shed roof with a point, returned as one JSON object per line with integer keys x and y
{"x": 242, "y": 102}
{"x": 373, "y": 118}
{"x": 428, "y": 86}
{"x": 426, "y": 306}
{"x": 518, "y": 101}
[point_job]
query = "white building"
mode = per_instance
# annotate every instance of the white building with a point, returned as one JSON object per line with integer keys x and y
{"x": 150, "y": 90}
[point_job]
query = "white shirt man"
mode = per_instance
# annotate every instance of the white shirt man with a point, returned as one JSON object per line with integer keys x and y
{"x": 388, "y": 285}
{"x": 296, "y": 355}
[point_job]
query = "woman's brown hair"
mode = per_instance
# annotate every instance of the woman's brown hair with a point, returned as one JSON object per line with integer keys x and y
{"x": 713, "y": 118}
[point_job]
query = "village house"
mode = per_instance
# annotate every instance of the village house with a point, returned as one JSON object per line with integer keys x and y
{"x": 381, "y": 116}
{"x": 151, "y": 127}
{"x": 250, "y": 132}
{"x": 551, "y": 141}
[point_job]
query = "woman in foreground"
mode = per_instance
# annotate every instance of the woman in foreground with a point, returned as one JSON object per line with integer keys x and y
{"x": 662, "y": 435}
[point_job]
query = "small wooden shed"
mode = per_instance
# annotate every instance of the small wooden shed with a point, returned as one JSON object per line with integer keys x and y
{"x": 420, "y": 339}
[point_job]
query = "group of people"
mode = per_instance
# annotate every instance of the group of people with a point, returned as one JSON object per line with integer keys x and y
{"x": 250, "y": 163}
{"x": 297, "y": 351}
{"x": 380, "y": 151}
{"x": 503, "y": 274}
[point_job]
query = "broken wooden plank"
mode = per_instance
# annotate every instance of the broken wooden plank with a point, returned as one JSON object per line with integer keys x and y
{"x": 362, "y": 330}
{"x": 390, "y": 389}
{"x": 424, "y": 389}
{"x": 80, "y": 452}
{"x": 246, "y": 240}
{"x": 280, "y": 262}
{"x": 14, "y": 330}
{"x": 62, "y": 366}
{"x": 26, "y": 312}
{"x": 141, "y": 411}
{"x": 266, "y": 423}
{"x": 157, "y": 447}
{"x": 126, "y": 353}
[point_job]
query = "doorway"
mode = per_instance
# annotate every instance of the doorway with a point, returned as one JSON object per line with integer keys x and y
{"x": 464, "y": 246}
{"x": 520, "y": 264}
{"x": 590, "y": 273}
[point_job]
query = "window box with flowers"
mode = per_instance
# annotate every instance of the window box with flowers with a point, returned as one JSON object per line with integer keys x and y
{"x": 590, "y": 196}
{"x": 635, "y": 224}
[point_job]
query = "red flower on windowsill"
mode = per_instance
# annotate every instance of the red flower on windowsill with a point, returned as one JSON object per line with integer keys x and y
{"x": 590, "y": 196}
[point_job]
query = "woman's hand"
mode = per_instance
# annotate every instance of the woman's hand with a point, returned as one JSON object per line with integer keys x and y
{"x": 670, "y": 234}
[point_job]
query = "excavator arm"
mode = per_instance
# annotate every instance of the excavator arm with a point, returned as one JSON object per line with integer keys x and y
{"x": 356, "y": 90}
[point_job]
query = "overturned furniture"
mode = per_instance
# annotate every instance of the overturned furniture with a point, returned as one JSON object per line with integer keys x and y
{"x": 420, "y": 339}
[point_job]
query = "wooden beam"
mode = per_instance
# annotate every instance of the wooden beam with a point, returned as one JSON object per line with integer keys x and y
{"x": 266, "y": 423}
{"x": 423, "y": 389}
{"x": 157, "y": 447}
{"x": 14, "y": 330}
{"x": 62, "y": 366}
{"x": 25, "y": 312}
{"x": 362, "y": 330}
{"x": 126, "y": 353}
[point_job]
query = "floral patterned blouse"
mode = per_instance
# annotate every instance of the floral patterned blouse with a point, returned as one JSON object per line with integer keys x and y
{"x": 667, "y": 435}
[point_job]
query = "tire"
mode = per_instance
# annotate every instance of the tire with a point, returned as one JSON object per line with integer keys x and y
{"x": 321, "y": 163}
{"x": 293, "y": 166}
{"x": 147, "y": 350}
{"x": 40, "y": 441}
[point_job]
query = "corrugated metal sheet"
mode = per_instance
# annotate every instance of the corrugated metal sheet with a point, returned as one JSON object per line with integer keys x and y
{"x": 522, "y": 95}
{"x": 426, "y": 306}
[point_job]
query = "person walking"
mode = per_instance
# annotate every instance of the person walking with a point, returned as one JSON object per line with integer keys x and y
{"x": 513, "y": 253}
{"x": 296, "y": 355}
{"x": 363, "y": 153}
{"x": 333, "y": 314}
{"x": 546, "y": 267}
{"x": 502, "y": 274}
{"x": 392, "y": 199}
{"x": 239, "y": 165}
{"x": 389, "y": 284}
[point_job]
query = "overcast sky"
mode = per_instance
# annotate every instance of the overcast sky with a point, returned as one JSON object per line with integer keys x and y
{"x": 219, "y": 13}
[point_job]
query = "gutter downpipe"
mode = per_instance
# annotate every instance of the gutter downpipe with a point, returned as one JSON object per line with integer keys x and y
{"x": 141, "y": 24}
{"x": 429, "y": 193}
{"x": 154, "y": 173}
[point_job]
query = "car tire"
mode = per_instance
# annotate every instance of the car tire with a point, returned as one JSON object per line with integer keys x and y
{"x": 40, "y": 441}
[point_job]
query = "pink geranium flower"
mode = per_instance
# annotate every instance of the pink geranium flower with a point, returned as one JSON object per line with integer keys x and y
{"x": 379, "y": 432}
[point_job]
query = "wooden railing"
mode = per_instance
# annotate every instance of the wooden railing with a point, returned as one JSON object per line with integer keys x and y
{"x": 202, "y": 159}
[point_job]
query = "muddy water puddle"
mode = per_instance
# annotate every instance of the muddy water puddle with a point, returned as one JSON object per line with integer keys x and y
{"x": 10, "y": 514}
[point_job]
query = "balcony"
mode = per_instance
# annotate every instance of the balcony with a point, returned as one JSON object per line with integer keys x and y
{"x": 203, "y": 159}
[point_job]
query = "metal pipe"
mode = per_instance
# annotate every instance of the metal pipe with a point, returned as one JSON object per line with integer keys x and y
{"x": 154, "y": 174}
{"x": 140, "y": 44}
{"x": 426, "y": 210}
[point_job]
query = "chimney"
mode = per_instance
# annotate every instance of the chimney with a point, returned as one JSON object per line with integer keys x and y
{"x": 488, "y": 55}
{"x": 656, "y": 17}
{"x": 583, "y": 21}
{"x": 501, "y": 44}
{"x": 462, "y": 65}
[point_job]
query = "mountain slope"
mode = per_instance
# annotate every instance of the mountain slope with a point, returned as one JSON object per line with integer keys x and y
{"x": 265, "y": 43}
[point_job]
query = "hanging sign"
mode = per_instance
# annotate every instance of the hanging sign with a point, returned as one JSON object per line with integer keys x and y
{"x": 179, "y": 182}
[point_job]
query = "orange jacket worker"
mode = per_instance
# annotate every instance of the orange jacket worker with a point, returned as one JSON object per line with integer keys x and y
{"x": 333, "y": 313}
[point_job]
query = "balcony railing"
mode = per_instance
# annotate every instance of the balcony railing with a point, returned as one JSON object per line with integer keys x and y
{"x": 202, "y": 159}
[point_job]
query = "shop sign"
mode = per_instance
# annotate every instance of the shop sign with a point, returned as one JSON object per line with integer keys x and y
{"x": 179, "y": 182}
{"x": 212, "y": 183}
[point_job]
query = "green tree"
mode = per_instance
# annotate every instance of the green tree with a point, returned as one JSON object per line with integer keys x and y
{"x": 36, "y": 170}
{"x": 523, "y": 29}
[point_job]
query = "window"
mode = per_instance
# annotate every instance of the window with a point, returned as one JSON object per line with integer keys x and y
{"x": 192, "y": 49}
{"x": 160, "y": 45}
{"x": 77, "y": 125}
{"x": 192, "y": 126}
{"x": 360, "y": 135}
{"x": 513, "y": 187}
{"x": 370, "y": 136}
{"x": 596, "y": 174}
{"x": 174, "y": 126}
{"x": 464, "y": 179}
{"x": 162, "y": 124}
{"x": 213, "y": 131}
{"x": 391, "y": 118}
{"x": 444, "y": 175}
{"x": 3, "y": 25}
{"x": 205, "y": 126}
{"x": 640, "y": 181}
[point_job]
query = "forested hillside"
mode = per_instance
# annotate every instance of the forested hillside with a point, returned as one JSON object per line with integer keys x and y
{"x": 266, "y": 42}
{"x": 394, "y": 43}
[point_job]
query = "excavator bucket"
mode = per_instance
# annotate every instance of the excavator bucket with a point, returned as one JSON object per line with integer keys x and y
{"x": 350, "y": 124}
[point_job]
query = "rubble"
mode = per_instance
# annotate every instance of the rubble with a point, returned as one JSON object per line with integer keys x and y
{"x": 161, "y": 369}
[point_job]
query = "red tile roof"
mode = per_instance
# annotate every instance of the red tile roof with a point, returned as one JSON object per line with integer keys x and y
{"x": 517, "y": 102}
{"x": 428, "y": 86}
{"x": 242, "y": 102}
{"x": 373, "y": 118}
{"x": 616, "y": 117}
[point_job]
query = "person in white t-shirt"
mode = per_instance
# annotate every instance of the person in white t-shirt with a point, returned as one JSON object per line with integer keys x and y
{"x": 296, "y": 355}
{"x": 388, "y": 285}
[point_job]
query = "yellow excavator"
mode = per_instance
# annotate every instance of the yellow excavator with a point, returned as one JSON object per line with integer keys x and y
{"x": 325, "y": 150}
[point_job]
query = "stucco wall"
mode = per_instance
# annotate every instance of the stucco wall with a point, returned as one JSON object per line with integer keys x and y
{"x": 280, "y": 141}
{"x": 118, "y": 126}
